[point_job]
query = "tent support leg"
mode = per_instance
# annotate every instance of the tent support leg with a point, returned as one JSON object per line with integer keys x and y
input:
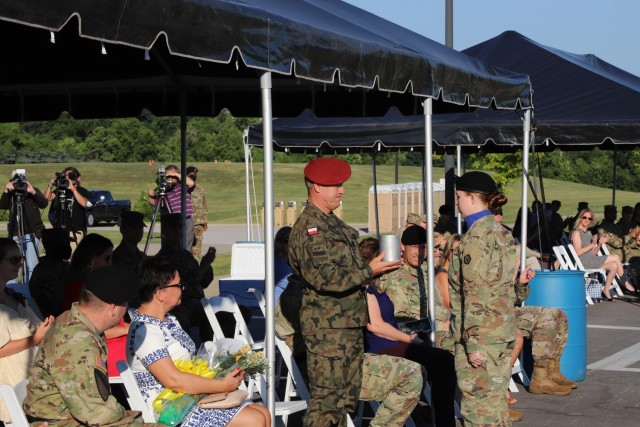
{"x": 428, "y": 196}
{"x": 525, "y": 190}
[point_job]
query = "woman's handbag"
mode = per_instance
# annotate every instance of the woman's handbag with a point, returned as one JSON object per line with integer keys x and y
{"x": 223, "y": 400}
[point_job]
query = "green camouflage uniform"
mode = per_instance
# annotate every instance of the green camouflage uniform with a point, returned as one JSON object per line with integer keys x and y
{"x": 548, "y": 329}
{"x": 324, "y": 251}
{"x": 483, "y": 319}
{"x": 616, "y": 244}
{"x": 408, "y": 296}
{"x": 444, "y": 338}
{"x": 200, "y": 218}
{"x": 68, "y": 383}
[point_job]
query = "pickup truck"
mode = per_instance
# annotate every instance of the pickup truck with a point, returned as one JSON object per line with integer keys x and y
{"x": 104, "y": 208}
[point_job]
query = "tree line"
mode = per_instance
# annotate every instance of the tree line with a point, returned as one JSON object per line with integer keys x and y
{"x": 148, "y": 137}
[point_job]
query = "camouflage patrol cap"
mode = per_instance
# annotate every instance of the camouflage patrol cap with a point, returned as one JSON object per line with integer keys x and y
{"x": 476, "y": 182}
{"x": 414, "y": 235}
{"x": 327, "y": 171}
{"x": 416, "y": 219}
{"x": 113, "y": 285}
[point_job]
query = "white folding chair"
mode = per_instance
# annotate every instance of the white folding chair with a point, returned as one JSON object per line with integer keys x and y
{"x": 134, "y": 397}
{"x": 228, "y": 303}
{"x": 13, "y": 398}
{"x": 517, "y": 370}
{"x": 567, "y": 263}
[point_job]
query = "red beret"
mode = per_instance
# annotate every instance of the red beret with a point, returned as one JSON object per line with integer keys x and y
{"x": 327, "y": 171}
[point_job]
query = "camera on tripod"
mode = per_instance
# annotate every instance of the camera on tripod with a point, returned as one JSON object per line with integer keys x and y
{"x": 19, "y": 180}
{"x": 161, "y": 179}
{"x": 62, "y": 182}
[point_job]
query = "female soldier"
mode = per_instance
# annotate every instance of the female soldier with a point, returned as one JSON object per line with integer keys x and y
{"x": 482, "y": 302}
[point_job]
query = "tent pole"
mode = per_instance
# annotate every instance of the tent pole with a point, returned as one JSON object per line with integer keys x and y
{"x": 615, "y": 174}
{"x": 245, "y": 140}
{"x": 267, "y": 141}
{"x": 375, "y": 194}
{"x": 525, "y": 191}
{"x": 428, "y": 196}
{"x": 183, "y": 168}
{"x": 459, "y": 167}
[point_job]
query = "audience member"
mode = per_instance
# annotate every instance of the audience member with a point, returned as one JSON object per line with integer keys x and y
{"x": 635, "y": 217}
{"x": 587, "y": 247}
{"x": 483, "y": 317}
{"x": 282, "y": 269}
{"x": 94, "y": 251}
{"x": 47, "y": 282}
{"x": 444, "y": 339}
{"x": 570, "y": 222}
{"x": 20, "y": 329}
{"x": 415, "y": 219}
{"x": 68, "y": 383}
{"x": 555, "y": 222}
{"x": 383, "y": 336}
{"x": 196, "y": 278}
{"x": 200, "y": 213}
{"x": 157, "y": 340}
{"x": 625, "y": 219}
{"x": 127, "y": 253}
{"x": 446, "y": 222}
{"x": 608, "y": 224}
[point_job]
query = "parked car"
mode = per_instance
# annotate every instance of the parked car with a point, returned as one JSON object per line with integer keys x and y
{"x": 103, "y": 208}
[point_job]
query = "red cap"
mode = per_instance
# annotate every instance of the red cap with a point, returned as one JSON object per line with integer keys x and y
{"x": 327, "y": 171}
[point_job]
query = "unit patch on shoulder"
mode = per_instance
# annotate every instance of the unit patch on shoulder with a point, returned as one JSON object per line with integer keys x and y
{"x": 467, "y": 259}
{"x": 312, "y": 231}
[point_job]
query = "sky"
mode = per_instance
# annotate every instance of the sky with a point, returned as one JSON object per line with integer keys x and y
{"x": 607, "y": 29}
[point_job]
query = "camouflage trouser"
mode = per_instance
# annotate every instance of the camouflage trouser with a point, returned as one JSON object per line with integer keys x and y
{"x": 334, "y": 363}
{"x": 395, "y": 382}
{"x": 548, "y": 329}
{"x": 484, "y": 401}
{"x": 198, "y": 233}
{"x": 445, "y": 341}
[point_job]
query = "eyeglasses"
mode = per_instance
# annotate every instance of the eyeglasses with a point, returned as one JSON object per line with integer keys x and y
{"x": 15, "y": 260}
{"x": 178, "y": 285}
{"x": 587, "y": 217}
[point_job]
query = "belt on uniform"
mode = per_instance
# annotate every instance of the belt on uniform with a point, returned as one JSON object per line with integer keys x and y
{"x": 32, "y": 419}
{"x": 332, "y": 294}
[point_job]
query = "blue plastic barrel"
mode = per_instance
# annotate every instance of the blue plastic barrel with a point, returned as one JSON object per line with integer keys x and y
{"x": 564, "y": 289}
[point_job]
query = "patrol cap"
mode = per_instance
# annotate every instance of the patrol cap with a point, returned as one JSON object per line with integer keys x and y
{"x": 627, "y": 209}
{"x": 132, "y": 219}
{"x": 113, "y": 285}
{"x": 476, "y": 182}
{"x": 327, "y": 171}
{"x": 610, "y": 208}
{"x": 171, "y": 220}
{"x": 583, "y": 205}
{"x": 445, "y": 210}
{"x": 192, "y": 169}
{"x": 416, "y": 219}
{"x": 59, "y": 235}
{"x": 414, "y": 235}
{"x": 556, "y": 203}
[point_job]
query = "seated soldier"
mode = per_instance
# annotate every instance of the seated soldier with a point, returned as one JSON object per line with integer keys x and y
{"x": 68, "y": 380}
{"x": 127, "y": 253}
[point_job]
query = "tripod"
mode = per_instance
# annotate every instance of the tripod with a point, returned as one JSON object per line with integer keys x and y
{"x": 161, "y": 203}
{"x": 18, "y": 231}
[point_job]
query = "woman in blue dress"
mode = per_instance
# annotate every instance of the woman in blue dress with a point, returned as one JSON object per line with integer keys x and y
{"x": 156, "y": 340}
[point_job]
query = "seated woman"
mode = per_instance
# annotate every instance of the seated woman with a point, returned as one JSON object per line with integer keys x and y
{"x": 156, "y": 340}
{"x": 20, "y": 329}
{"x": 382, "y": 336}
{"x": 587, "y": 246}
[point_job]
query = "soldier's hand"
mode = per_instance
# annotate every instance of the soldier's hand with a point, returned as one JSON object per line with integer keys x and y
{"x": 379, "y": 266}
{"x": 526, "y": 276}
{"x": 476, "y": 359}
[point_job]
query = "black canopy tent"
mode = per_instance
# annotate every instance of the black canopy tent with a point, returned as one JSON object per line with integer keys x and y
{"x": 89, "y": 57}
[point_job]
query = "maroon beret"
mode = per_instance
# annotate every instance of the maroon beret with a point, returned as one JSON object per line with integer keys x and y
{"x": 327, "y": 171}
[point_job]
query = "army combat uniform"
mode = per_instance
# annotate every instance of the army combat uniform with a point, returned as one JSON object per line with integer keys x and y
{"x": 68, "y": 383}
{"x": 483, "y": 319}
{"x": 200, "y": 218}
{"x": 548, "y": 329}
{"x": 324, "y": 251}
{"x": 408, "y": 292}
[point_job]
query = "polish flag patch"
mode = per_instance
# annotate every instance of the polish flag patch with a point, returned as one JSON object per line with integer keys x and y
{"x": 312, "y": 231}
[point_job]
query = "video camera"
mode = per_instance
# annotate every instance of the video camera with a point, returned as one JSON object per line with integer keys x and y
{"x": 19, "y": 180}
{"x": 62, "y": 182}
{"x": 161, "y": 179}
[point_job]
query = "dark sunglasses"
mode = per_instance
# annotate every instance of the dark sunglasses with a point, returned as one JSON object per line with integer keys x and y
{"x": 15, "y": 260}
{"x": 178, "y": 285}
{"x": 587, "y": 217}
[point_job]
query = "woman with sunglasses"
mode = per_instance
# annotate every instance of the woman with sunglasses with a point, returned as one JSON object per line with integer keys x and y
{"x": 20, "y": 329}
{"x": 92, "y": 252}
{"x": 156, "y": 340}
{"x": 587, "y": 247}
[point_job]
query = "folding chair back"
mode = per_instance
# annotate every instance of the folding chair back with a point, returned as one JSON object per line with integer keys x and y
{"x": 134, "y": 398}
{"x": 13, "y": 398}
{"x": 228, "y": 303}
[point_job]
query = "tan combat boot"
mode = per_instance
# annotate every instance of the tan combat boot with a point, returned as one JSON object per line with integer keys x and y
{"x": 542, "y": 384}
{"x": 553, "y": 372}
{"x": 515, "y": 415}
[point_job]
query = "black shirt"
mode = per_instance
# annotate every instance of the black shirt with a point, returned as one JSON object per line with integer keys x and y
{"x": 71, "y": 216}
{"x": 32, "y": 204}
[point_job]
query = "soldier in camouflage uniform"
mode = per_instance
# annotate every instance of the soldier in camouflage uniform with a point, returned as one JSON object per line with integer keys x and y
{"x": 68, "y": 383}
{"x": 482, "y": 303}
{"x": 200, "y": 213}
{"x": 323, "y": 250}
{"x": 407, "y": 286}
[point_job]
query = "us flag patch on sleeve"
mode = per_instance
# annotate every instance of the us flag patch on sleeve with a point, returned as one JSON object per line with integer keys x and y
{"x": 312, "y": 231}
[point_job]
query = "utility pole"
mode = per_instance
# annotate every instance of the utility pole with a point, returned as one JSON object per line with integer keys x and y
{"x": 449, "y": 158}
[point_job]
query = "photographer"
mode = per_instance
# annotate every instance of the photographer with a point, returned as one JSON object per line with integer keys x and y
{"x": 171, "y": 182}
{"x": 69, "y": 203}
{"x": 24, "y": 202}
